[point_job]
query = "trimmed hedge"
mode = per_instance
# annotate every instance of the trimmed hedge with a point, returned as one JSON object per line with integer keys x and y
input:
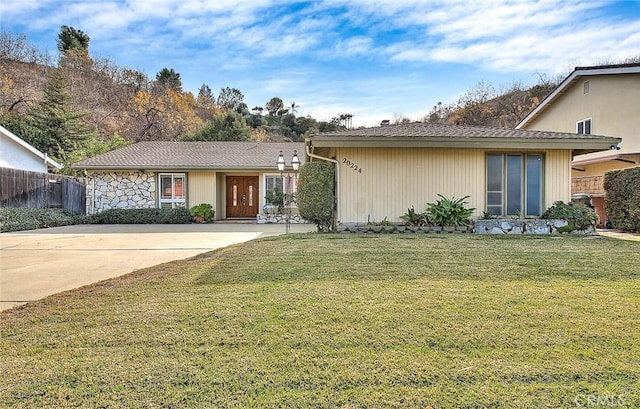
{"x": 315, "y": 197}
{"x": 622, "y": 201}
{"x": 23, "y": 218}
{"x": 142, "y": 216}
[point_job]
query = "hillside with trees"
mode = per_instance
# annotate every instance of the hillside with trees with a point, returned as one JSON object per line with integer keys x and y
{"x": 483, "y": 105}
{"x": 74, "y": 106}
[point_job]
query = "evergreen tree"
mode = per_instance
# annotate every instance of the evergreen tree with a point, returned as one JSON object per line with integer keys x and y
{"x": 168, "y": 78}
{"x": 73, "y": 42}
{"x": 58, "y": 129}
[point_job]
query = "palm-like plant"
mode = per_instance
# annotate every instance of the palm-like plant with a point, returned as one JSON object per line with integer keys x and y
{"x": 413, "y": 218}
{"x": 449, "y": 212}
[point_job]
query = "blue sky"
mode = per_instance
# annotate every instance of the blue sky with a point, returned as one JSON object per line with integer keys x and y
{"x": 373, "y": 59}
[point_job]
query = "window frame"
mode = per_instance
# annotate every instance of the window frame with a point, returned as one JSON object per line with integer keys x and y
{"x": 586, "y": 87}
{"x": 175, "y": 201}
{"x": 527, "y": 185}
{"x": 294, "y": 188}
{"x": 583, "y": 123}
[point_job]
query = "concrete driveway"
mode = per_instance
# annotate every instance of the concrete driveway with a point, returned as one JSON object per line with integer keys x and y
{"x": 38, "y": 263}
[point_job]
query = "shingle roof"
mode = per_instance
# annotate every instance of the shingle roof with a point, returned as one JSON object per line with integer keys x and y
{"x": 432, "y": 130}
{"x": 194, "y": 155}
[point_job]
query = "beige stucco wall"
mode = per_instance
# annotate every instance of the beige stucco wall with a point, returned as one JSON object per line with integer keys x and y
{"x": 392, "y": 180}
{"x": 600, "y": 168}
{"x": 612, "y": 103}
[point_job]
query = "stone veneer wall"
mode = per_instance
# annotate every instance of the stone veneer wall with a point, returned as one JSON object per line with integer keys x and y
{"x": 493, "y": 226}
{"x": 120, "y": 190}
{"x": 267, "y": 218}
{"x": 522, "y": 226}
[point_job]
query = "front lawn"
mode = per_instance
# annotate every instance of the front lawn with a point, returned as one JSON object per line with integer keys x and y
{"x": 447, "y": 321}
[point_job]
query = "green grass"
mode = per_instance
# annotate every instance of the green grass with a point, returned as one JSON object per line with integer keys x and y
{"x": 448, "y": 321}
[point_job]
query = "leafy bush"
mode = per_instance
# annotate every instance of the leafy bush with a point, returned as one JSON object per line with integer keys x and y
{"x": 22, "y": 218}
{"x": 579, "y": 216}
{"x": 204, "y": 210}
{"x": 142, "y": 216}
{"x": 316, "y": 195}
{"x": 413, "y": 218}
{"x": 449, "y": 212}
{"x": 276, "y": 197}
{"x": 623, "y": 198}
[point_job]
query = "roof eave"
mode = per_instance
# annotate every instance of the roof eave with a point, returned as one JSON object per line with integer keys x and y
{"x": 591, "y": 145}
{"x": 33, "y": 150}
{"x": 52, "y": 163}
{"x": 625, "y": 157}
{"x": 163, "y": 168}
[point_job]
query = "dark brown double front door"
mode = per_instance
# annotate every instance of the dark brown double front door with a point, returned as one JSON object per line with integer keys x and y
{"x": 242, "y": 196}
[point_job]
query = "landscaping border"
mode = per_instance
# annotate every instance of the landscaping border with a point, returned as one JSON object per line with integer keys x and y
{"x": 481, "y": 226}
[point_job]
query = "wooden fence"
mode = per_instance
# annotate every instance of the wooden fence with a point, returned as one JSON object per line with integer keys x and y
{"x": 24, "y": 188}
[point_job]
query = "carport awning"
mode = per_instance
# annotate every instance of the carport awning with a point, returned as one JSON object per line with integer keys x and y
{"x": 622, "y": 157}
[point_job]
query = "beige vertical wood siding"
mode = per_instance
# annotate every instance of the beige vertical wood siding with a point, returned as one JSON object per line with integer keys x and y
{"x": 202, "y": 189}
{"x": 221, "y": 196}
{"x": 394, "y": 179}
{"x": 557, "y": 177}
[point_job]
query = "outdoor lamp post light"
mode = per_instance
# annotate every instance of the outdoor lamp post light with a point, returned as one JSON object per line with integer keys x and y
{"x": 288, "y": 197}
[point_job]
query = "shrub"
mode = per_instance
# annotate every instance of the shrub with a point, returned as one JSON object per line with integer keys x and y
{"x": 622, "y": 202}
{"x": 413, "y": 218}
{"x": 22, "y": 218}
{"x": 203, "y": 210}
{"x": 276, "y": 198}
{"x": 577, "y": 215}
{"x": 449, "y": 212}
{"x": 316, "y": 195}
{"x": 142, "y": 216}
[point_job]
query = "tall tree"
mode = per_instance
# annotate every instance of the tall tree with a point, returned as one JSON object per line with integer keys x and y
{"x": 294, "y": 108}
{"x": 205, "y": 96}
{"x": 231, "y": 99}
{"x": 58, "y": 128}
{"x": 168, "y": 78}
{"x": 165, "y": 115}
{"x": 225, "y": 126}
{"x": 205, "y": 103}
{"x": 274, "y": 106}
{"x": 73, "y": 42}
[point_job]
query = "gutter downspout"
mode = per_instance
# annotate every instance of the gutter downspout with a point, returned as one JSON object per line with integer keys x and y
{"x": 337, "y": 167}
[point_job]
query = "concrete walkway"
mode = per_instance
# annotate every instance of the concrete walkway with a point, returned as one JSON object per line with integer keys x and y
{"x": 38, "y": 263}
{"x": 617, "y": 234}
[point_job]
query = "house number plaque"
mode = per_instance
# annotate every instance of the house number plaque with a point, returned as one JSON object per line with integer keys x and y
{"x": 352, "y": 165}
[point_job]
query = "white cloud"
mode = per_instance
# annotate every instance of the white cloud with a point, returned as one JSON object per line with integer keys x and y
{"x": 369, "y": 58}
{"x": 355, "y": 46}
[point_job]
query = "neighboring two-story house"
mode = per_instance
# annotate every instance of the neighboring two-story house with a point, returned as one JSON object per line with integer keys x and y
{"x": 600, "y": 100}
